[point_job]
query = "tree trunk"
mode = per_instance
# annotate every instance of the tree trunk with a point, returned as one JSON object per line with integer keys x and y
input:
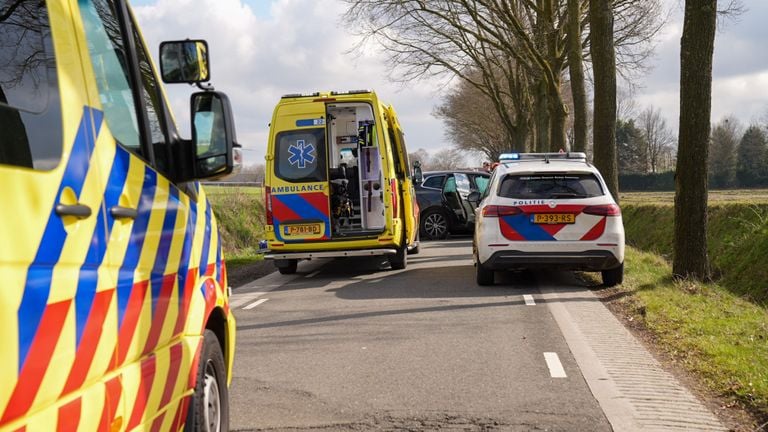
{"x": 576, "y": 70}
{"x": 542, "y": 117}
{"x": 604, "y": 66}
{"x": 696, "y": 50}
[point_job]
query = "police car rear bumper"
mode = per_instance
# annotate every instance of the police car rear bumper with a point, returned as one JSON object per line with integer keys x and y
{"x": 590, "y": 260}
{"x": 330, "y": 254}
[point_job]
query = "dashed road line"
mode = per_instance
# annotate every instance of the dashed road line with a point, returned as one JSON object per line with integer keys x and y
{"x": 254, "y": 304}
{"x": 238, "y": 300}
{"x": 555, "y": 367}
{"x": 529, "y": 301}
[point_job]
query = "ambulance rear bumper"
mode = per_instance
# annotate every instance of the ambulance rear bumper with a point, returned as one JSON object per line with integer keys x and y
{"x": 330, "y": 254}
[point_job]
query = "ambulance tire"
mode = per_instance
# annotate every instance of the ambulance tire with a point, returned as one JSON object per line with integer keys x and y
{"x": 613, "y": 277}
{"x": 399, "y": 260}
{"x": 287, "y": 267}
{"x": 209, "y": 406}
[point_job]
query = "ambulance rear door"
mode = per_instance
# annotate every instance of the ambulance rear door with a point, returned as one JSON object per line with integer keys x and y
{"x": 299, "y": 188}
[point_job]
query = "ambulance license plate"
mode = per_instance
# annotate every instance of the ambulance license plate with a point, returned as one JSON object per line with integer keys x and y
{"x": 554, "y": 218}
{"x": 302, "y": 229}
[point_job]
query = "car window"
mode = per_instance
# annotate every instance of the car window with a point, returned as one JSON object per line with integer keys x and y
{"x": 550, "y": 185}
{"x": 30, "y": 111}
{"x": 106, "y": 48}
{"x": 435, "y": 182}
{"x": 300, "y": 155}
{"x": 462, "y": 183}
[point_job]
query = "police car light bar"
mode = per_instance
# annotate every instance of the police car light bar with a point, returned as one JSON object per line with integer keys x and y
{"x": 513, "y": 157}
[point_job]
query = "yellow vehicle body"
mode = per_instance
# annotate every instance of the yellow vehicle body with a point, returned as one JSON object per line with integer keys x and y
{"x": 110, "y": 271}
{"x": 337, "y": 180}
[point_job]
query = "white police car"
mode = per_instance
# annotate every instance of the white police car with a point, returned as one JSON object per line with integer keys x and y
{"x": 550, "y": 211}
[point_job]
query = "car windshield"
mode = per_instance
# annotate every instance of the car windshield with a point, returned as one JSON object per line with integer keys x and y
{"x": 550, "y": 185}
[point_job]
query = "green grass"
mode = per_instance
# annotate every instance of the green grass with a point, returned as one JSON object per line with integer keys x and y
{"x": 737, "y": 242}
{"x": 240, "y": 213}
{"x": 710, "y": 330}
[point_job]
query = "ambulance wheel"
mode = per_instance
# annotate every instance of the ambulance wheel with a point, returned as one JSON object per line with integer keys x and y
{"x": 287, "y": 267}
{"x": 613, "y": 277}
{"x": 209, "y": 406}
{"x": 399, "y": 260}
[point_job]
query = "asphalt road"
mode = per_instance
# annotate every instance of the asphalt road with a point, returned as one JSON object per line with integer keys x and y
{"x": 350, "y": 345}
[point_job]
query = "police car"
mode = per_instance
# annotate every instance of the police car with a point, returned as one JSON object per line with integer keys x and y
{"x": 548, "y": 211}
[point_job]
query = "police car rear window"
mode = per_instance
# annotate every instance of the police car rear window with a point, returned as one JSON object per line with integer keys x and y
{"x": 550, "y": 186}
{"x": 300, "y": 155}
{"x": 30, "y": 111}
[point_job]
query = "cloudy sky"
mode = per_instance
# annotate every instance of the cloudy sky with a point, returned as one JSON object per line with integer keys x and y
{"x": 262, "y": 49}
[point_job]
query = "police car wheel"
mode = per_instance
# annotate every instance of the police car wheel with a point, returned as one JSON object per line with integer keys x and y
{"x": 613, "y": 277}
{"x": 209, "y": 407}
{"x": 483, "y": 276}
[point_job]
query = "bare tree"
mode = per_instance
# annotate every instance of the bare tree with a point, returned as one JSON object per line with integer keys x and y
{"x": 576, "y": 70}
{"x": 446, "y": 159}
{"x": 696, "y": 50}
{"x": 658, "y": 137}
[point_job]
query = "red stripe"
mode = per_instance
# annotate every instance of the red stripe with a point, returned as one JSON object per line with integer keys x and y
{"x": 130, "y": 319}
{"x": 508, "y": 232}
{"x": 195, "y": 364}
{"x": 187, "y": 297}
{"x": 596, "y": 231}
{"x": 145, "y": 386}
{"x": 89, "y": 341}
{"x": 282, "y": 212}
{"x": 174, "y": 370}
{"x": 38, "y": 358}
{"x": 161, "y": 313}
{"x": 158, "y": 423}
{"x": 112, "y": 393}
{"x": 69, "y": 416}
{"x": 181, "y": 413}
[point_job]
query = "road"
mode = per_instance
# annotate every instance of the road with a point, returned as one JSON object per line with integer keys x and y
{"x": 351, "y": 345}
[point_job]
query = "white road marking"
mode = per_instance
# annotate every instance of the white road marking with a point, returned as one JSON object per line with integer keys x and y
{"x": 529, "y": 300}
{"x": 254, "y": 304}
{"x": 555, "y": 367}
{"x": 238, "y": 300}
{"x": 313, "y": 274}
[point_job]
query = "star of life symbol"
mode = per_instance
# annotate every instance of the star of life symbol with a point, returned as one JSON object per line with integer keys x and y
{"x": 302, "y": 153}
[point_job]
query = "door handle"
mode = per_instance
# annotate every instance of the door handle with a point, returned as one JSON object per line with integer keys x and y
{"x": 77, "y": 210}
{"x": 119, "y": 212}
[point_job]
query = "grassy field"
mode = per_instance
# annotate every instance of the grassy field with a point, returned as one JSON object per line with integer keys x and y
{"x": 742, "y": 196}
{"x": 240, "y": 213}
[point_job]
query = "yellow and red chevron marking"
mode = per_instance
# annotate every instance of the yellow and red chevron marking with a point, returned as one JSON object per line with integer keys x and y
{"x": 103, "y": 306}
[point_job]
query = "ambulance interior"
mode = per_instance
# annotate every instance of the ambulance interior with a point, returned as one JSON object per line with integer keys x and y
{"x": 357, "y": 192}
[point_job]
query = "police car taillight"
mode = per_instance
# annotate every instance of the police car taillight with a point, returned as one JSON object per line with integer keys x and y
{"x": 603, "y": 210}
{"x": 268, "y": 204}
{"x": 500, "y": 211}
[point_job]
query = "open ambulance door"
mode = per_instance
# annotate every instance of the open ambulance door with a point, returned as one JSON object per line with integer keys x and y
{"x": 405, "y": 189}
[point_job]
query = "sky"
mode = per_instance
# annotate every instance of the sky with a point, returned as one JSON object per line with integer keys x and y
{"x": 262, "y": 49}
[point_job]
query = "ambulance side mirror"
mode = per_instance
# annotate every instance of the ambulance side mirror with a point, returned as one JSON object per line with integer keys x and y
{"x": 213, "y": 136}
{"x": 184, "y": 61}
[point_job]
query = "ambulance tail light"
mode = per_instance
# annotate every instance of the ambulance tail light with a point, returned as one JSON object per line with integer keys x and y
{"x": 500, "y": 211}
{"x": 268, "y": 204}
{"x": 603, "y": 210}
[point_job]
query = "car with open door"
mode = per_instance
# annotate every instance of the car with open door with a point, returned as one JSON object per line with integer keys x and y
{"x": 443, "y": 201}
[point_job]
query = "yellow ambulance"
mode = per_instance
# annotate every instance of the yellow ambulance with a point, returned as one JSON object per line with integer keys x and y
{"x": 114, "y": 308}
{"x": 337, "y": 181}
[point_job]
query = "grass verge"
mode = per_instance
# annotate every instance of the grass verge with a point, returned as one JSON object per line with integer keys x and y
{"x": 709, "y": 330}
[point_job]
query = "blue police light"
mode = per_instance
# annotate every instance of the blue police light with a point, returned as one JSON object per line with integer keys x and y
{"x": 507, "y": 157}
